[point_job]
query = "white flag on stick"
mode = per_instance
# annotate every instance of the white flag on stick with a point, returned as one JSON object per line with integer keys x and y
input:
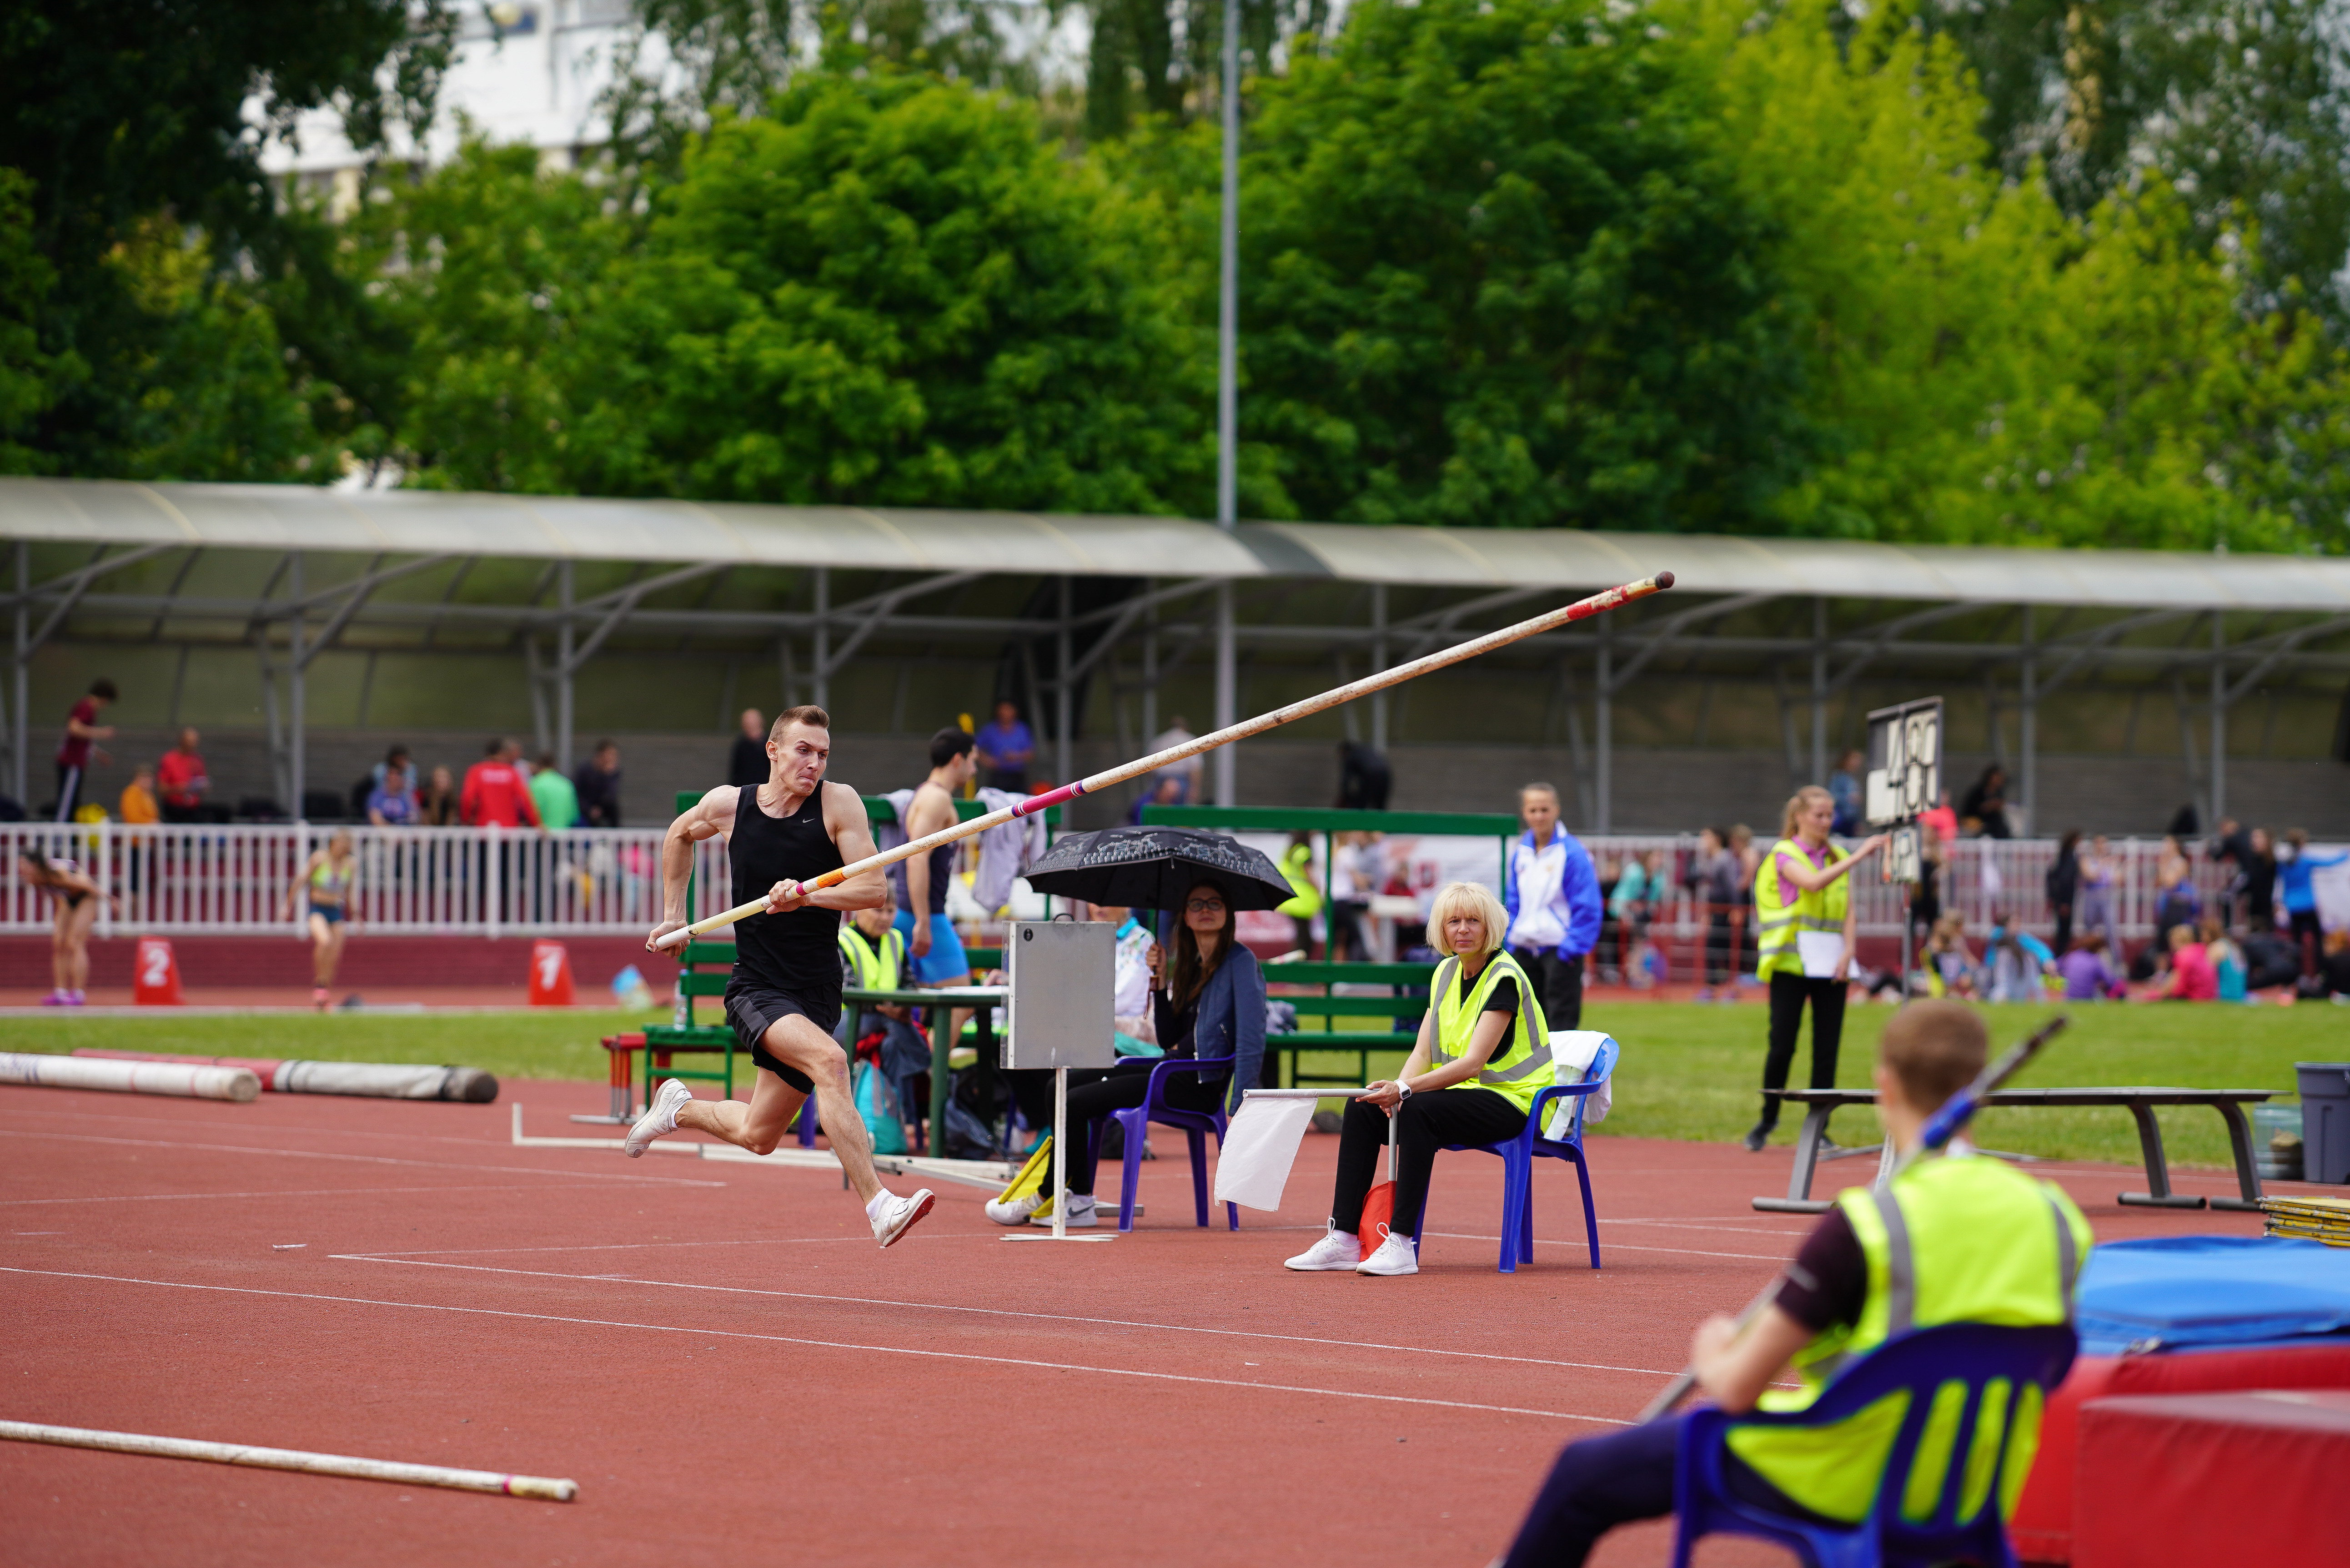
{"x": 1259, "y": 1145}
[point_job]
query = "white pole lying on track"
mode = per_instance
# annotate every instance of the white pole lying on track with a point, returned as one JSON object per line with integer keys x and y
{"x": 1582, "y": 610}
{"x": 542, "y": 1487}
{"x": 129, "y": 1077}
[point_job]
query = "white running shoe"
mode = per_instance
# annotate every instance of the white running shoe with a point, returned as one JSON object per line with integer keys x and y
{"x": 1016, "y": 1213}
{"x": 1337, "y": 1250}
{"x": 897, "y": 1216}
{"x": 1081, "y": 1212}
{"x": 1395, "y": 1256}
{"x": 659, "y": 1119}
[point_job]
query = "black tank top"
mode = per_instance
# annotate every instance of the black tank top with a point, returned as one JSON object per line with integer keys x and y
{"x": 796, "y": 952}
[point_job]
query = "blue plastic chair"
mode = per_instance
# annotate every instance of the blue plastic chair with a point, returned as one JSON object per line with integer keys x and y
{"x": 1195, "y": 1127}
{"x": 1954, "y": 1516}
{"x": 1518, "y": 1155}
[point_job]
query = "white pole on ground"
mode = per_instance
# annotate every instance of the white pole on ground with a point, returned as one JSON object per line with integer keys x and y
{"x": 34, "y": 1069}
{"x": 545, "y": 1488}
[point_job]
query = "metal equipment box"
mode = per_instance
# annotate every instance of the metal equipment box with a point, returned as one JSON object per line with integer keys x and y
{"x": 1063, "y": 974}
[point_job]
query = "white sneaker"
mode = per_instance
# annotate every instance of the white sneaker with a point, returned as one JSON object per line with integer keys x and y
{"x": 1018, "y": 1211}
{"x": 1395, "y": 1256}
{"x": 1081, "y": 1212}
{"x": 659, "y": 1119}
{"x": 1337, "y": 1250}
{"x": 897, "y": 1216}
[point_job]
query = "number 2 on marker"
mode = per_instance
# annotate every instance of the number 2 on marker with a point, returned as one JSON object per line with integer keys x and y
{"x": 158, "y": 965}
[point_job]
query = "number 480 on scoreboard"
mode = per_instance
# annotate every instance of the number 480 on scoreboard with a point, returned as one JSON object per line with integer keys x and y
{"x": 1905, "y": 778}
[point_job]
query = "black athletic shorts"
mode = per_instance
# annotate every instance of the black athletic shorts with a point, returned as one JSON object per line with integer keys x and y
{"x": 752, "y": 1009}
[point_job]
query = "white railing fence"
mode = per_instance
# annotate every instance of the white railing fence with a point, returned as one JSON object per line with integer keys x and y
{"x": 485, "y": 881}
{"x": 501, "y": 881}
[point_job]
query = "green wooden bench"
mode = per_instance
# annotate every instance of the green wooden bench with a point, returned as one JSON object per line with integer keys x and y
{"x": 663, "y": 1040}
{"x": 1323, "y": 1007}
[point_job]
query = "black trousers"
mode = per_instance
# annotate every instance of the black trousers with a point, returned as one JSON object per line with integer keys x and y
{"x": 1094, "y": 1095}
{"x": 1600, "y": 1483}
{"x": 1789, "y": 992}
{"x": 1558, "y": 984}
{"x": 2063, "y": 939}
{"x": 1429, "y": 1122}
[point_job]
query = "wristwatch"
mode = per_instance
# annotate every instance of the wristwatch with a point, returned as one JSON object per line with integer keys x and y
{"x": 1403, "y": 1091}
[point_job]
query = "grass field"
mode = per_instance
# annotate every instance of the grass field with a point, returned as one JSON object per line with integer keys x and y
{"x": 1690, "y": 1069}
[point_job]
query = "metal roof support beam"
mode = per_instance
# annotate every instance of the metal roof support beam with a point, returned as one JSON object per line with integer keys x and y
{"x": 1819, "y": 689}
{"x": 1602, "y": 775}
{"x": 883, "y": 606}
{"x": 2218, "y": 722}
{"x": 179, "y": 581}
{"x": 565, "y": 587}
{"x": 18, "y": 736}
{"x": 1887, "y": 636}
{"x": 2282, "y": 647}
{"x": 2028, "y": 737}
{"x": 1379, "y": 661}
{"x": 822, "y": 652}
{"x": 76, "y": 584}
{"x": 1062, "y": 683}
{"x": 623, "y": 603}
{"x": 1669, "y": 633}
{"x": 2087, "y": 646}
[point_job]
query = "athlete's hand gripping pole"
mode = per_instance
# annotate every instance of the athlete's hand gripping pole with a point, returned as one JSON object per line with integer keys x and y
{"x": 1582, "y": 610}
{"x": 1940, "y": 1127}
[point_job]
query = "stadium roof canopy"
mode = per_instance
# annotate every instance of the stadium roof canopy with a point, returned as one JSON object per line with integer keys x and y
{"x": 106, "y": 562}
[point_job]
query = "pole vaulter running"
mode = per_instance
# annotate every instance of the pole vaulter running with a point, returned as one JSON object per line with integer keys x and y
{"x": 807, "y": 842}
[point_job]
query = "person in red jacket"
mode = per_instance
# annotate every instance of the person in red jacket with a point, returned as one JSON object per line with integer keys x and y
{"x": 2192, "y": 976}
{"x": 496, "y": 790}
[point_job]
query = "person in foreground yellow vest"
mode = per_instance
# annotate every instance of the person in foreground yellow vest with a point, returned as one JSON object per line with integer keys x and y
{"x": 1804, "y": 927}
{"x": 1974, "y": 1241}
{"x": 1483, "y": 1054}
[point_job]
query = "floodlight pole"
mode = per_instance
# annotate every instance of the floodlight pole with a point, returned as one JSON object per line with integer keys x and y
{"x": 1228, "y": 314}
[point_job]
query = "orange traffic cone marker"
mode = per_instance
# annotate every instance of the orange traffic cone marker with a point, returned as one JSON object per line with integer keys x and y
{"x": 550, "y": 976}
{"x": 154, "y": 974}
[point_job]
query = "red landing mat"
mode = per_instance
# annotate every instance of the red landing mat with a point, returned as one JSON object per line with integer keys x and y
{"x": 2200, "y": 1479}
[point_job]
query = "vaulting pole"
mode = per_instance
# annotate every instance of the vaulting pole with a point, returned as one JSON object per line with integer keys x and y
{"x": 1582, "y": 610}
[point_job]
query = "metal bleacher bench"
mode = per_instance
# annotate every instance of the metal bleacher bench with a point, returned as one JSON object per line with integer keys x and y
{"x": 1319, "y": 1012}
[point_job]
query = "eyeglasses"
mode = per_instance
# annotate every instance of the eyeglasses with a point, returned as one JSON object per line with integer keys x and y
{"x": 1205, "y": 907}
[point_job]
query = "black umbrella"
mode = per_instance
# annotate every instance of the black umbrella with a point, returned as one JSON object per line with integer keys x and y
{"x": 1153, "y": 868}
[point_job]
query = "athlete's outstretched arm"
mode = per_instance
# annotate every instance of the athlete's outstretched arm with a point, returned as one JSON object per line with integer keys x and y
{"x": 708, "y": 817}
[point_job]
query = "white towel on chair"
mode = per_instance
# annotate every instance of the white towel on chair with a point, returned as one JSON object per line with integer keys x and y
{"x": 1571, "y": 1054}
{"x": 1260, "y": 1145}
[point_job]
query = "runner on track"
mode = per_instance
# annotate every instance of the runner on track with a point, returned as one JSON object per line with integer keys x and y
{"x": 784, "y": 999}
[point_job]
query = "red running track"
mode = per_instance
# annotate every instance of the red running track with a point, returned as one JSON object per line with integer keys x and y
{"x": 721, "y": 1358}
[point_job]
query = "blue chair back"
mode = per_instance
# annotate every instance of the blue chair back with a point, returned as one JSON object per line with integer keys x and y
{"x": 1975, "y": 1393}
{"x": 1517, "y": 1156}
{"x": 1194, "y": 1125}
{"x": 1602, "y": 1068}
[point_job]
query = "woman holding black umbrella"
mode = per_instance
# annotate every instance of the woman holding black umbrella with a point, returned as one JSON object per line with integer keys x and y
{"x": 1208, "y": 1002}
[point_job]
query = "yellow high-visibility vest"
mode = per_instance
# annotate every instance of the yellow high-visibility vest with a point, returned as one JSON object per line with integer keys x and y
{"x": 1519, "y": 1065}
{"x": 1778, "y": 918}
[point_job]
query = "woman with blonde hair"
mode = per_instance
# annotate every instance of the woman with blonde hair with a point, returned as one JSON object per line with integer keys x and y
{"x": 1483, "y": 1054}
{"x": 331, "y": 875}
{"x": 1804, "y": 927}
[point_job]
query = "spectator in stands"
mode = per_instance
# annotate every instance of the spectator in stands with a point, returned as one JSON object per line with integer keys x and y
{"x": 138, "y": 803}
{"x": 2087, "y": 976}
{"x": 746, "y": 765}
{"x": 2099, "y": 873}
{"x": 398, "y": 757}
{"x": 2294, "y": 864}
{"x": 393, "y": 803}
{"x": 1166, "y": 789}
{"x": 1950, "y": 965}
{"x": 1848, "y": 787}
{"x": 1942, "y": 820}
{"x": 494, "y": 791}
{"x": 1743, "y": 946}
{"x": 2337, "y": 967}
{"x": 73, "y": 903}
{"x": 1713, "y": 873}
{"x": 1190, "y": 770}
{"x": 2226, "y": 958}
{"x": 2013, "y": 962}
{"x": 1985, "y": 806}
{"x": 182, "y": 779}
{"x": 440, "y": 804}
{"x": 2232, "y": 846}
{"x": 1552, "y": 895}
{"x": 78, "y": 749}
{"x": 2062, "y": 885}
{"x": 2177, "y": 903}
{"x": 2259, "y": 883}
{"x": 1363, "y": 778}
{"x": 557, "y": 802}
{"x": 1354, "y": 879}
{"x": 2192, "y": 977}
{"x": 1628, "y": 907}
{"x": 1005, "y": 747}
{"x": 2269, "y": 960}
{"x": 598, "y": 786}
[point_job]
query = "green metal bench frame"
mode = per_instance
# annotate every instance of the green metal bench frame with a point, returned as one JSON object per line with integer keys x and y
{"x": 1330, "y": 1008}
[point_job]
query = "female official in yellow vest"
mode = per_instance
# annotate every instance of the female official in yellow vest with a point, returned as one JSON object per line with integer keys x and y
{"x": 1803, "y": 907}
{"x": 1483, "y": 1054}
{"x": 1972, "y": 1240}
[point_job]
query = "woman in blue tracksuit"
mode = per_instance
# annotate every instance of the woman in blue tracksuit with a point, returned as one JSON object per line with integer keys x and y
{"x": 1552, "y": 895}
{"x": 2294, "y": 865}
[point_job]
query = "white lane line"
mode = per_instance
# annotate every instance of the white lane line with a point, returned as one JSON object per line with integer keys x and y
{"x": 838, "y": 1345}
{"x": 606, "y": 1247}
{"x": 359, "y": 1158}
{"x": 300, "y": 1192}
{"x": 1616, "y": 1247}
{"x": 1709, "y": 1225}
{"x": 996, "y": 1312}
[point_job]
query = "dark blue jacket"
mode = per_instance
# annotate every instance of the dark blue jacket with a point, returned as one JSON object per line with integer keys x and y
{"x": 1578, "y": 880}
{"x": 1231, "y": 1021}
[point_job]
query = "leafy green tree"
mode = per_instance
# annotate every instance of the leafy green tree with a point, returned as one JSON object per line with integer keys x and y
{"x": 115, "y": 113}
{"x": 1494, "y": 275}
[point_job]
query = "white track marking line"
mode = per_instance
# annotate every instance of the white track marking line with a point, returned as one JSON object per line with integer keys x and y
{"x": 838, "y": 1345}
{"x": 1616, "y": 1247}
{"x": 996, "y": 1312}
{"x": 359, "y": 1158}
{"x": 600, "y": 1247}
{"x": 299, "y": 1192}
{"x": 1709, "y": 1225}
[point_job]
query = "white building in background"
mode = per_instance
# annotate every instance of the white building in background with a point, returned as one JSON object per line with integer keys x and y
{"x": 527, "y": 71}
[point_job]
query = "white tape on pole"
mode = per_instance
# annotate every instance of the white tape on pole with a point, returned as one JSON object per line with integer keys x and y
{"x": 129, "y": 1077}
{"x": 542, "y": 1487}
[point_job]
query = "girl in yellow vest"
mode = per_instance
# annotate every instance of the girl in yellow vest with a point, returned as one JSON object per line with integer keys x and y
{"x": 1805, "y": 925}
{"x": 1483, "y": 1054}
{"x": 1971, "y": 1241}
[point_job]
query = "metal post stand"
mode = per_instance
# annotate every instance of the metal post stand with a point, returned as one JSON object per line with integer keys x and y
{"x": 1060, "y": 1230}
